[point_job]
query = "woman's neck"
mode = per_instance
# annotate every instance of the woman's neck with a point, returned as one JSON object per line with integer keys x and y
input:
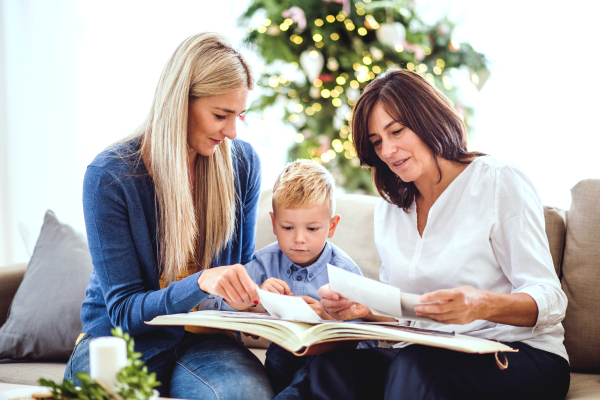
{"x": 430, "y": 189}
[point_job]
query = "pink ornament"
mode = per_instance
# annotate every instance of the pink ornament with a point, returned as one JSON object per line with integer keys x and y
{"x": 297, "y": 15}
{"x": 346, "y": 3}
{"x": 413, "y": 48}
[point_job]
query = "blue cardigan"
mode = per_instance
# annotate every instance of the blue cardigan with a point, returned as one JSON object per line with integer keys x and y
{"x": 120, "y": 211}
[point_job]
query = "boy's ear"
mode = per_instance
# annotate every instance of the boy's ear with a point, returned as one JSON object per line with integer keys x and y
{"x": 273, "y": 222}
{"x": 332, "y": 225}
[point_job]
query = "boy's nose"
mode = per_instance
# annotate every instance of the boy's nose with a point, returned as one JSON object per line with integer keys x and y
{"x": 299, "y": 238}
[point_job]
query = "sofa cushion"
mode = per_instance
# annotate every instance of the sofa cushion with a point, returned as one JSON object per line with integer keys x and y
{"x": 30, "y": 372}
{"x": 581, "y": 276}
{"x": 355, "y": 234}
{"x": 555, "y": 231}
{"x": 584, "y": 387}
{"x": 43, "y": 321}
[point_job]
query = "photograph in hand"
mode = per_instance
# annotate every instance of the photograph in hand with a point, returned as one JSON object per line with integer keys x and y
{"x": 381, "y": 298}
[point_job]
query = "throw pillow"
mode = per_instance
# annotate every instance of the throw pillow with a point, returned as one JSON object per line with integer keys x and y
{"x": 44, "y": 321}
{"x": 30, "y": 232}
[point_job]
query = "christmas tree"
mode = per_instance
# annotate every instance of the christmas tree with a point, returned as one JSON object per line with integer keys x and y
{"x": 319, "y": 54}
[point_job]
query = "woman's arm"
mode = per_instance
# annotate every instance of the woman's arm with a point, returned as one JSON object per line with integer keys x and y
{"x": 520, "y": 245}
{"x": 113, "y": 217}
{"x": 466, "y": 304}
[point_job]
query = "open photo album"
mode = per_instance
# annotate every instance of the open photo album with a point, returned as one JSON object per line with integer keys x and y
{"x": 293, "y": 325}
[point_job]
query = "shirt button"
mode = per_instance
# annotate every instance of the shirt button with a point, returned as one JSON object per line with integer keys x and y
{"x": 298, "y": 278}
{"x": 294, "y": 269}
{"x": 216, "y": 305}
{"x": 288, "y": 271}
{"x": 310, "y": 276}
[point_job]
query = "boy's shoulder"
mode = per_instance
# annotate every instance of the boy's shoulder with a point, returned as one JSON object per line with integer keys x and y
{"x": 268, "y": 250}
{"x": 341, "y": 259}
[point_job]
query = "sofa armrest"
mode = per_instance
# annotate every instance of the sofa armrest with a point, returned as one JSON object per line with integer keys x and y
{"x": 10, "y": 279}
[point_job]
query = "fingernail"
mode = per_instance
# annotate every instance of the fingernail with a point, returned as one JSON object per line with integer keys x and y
{"x": 255, "y": 302}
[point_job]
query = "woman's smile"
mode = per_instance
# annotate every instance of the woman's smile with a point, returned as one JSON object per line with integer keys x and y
{"x": 400, "y": 163}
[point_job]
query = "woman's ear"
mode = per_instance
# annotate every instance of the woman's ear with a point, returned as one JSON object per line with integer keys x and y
{"x": 332, "y": 225}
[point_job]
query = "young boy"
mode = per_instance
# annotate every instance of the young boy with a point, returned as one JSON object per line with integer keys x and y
{"x": 303, "y": 218}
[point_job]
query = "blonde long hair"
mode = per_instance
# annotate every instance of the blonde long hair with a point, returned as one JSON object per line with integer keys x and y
{"x": 203, "y": 65}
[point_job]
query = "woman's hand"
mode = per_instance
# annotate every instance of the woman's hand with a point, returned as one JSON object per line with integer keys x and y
{"x": 275, "y": 285}
{"x": 340, "y": 307}
{"x": 317, "y": 307}
{"x": 230, "y": 282}
{"x": 466, "y": 304}
{"x": 460, "y": 305}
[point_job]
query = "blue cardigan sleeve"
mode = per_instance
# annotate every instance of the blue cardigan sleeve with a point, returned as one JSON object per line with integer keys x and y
{"x": 124, "y": 267}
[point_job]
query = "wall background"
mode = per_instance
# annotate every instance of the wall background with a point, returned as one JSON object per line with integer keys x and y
{"x": 77, "y": 75}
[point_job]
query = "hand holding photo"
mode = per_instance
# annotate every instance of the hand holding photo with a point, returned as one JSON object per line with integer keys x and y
{"x": 287, "y": 307}
{"x": 381, "y": 298}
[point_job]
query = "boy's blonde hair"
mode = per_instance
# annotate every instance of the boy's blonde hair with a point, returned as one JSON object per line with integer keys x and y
{"x": 304, "y": 183}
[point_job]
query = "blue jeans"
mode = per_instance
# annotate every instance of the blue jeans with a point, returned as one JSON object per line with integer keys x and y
{"x": 199, "y": 367}
{"x": 287, "y": 372}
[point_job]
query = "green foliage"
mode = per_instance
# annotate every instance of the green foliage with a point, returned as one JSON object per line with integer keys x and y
{"x": 320, "y": 110}
{"x": 134, "y": 380}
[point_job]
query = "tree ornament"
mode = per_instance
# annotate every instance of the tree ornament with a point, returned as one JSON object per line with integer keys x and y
{"x": 273, "y": 30}
{"x": 332, "y": 64}
{"x": 297, "y": 15}
{"x": 480, "y": 77}
{"x": 314, "y": 92}
{"x": 312, "y": 63}
{"x": 352, "y": 94}
{"x": 376, "y": 53}
{"x": 391, "y": 34}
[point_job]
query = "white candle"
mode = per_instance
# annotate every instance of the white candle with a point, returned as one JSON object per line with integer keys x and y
{"x": 108, "y": 355}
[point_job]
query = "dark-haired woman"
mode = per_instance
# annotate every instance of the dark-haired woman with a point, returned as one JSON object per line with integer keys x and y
{"x": 466, "y": 232}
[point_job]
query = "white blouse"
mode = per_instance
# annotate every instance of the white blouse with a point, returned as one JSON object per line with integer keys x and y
{"x": 486, "y": 230}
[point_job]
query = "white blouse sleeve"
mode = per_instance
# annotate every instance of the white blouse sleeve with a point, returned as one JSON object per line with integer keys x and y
{"x": 521, "y": 247}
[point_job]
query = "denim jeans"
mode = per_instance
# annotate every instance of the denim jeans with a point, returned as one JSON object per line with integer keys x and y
{"x": 286, "y": 371}
{"x": 199, "y": 367}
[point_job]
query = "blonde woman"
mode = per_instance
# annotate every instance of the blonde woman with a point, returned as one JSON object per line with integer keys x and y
{"x": 170, "y": 215}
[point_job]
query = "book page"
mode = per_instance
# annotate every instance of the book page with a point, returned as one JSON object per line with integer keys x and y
{"x": 287, "y": 307}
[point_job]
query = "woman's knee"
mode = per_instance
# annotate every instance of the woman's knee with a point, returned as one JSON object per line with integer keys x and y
{"x": 79, "y": 360}
{"x": 219, "y": 369}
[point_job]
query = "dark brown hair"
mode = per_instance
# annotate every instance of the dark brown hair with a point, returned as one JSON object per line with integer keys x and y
{"x": 415, "y": 103}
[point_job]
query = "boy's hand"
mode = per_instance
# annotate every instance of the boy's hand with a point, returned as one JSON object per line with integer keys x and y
{"x": 317, "y": 307}
{"x": 275, "y": 285}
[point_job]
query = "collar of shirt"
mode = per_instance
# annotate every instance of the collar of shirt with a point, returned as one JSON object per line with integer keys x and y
{"x": 312, "y": 270}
